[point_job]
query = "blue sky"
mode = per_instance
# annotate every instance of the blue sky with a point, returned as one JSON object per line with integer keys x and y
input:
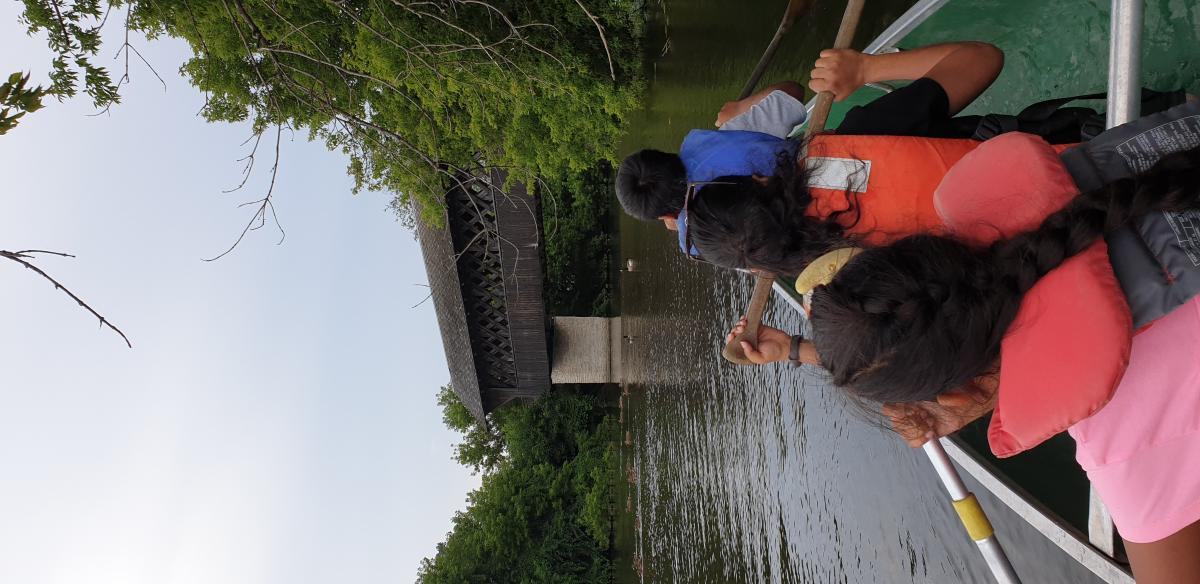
{"x": 275, "y": 421}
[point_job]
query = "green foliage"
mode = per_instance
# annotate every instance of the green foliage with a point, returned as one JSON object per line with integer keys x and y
{"x": 595, "y": 475}
{"x": 482, "y": 447}
{"x": 73, "y": 34}
{"x": 411, "y": 91}
{"x": 414, "y": 93}
{"x": 541, "y": 514}
{"x": 579, "y": 227}
{"x": 455, "y": 414}
{"x": 15, "y": 95}
{"x": 549, "y": 429}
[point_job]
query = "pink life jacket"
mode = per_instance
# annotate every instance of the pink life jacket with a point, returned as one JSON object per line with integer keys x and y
{"x": 1069, "y": 345}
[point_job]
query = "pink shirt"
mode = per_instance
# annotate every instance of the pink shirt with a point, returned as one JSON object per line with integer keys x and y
{"x": 1142, "y": 449}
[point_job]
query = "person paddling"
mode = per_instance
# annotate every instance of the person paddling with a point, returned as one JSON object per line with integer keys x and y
{"x": 751, "y": 136}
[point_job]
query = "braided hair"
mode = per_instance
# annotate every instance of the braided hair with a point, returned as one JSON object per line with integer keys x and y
{"x": 927, "y": 314}
{"x": 752, "y": 222}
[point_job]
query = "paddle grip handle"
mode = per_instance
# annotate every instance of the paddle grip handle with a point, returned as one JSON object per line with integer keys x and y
{"x": 733, "y": 351}
{"x": 845, "y": 36}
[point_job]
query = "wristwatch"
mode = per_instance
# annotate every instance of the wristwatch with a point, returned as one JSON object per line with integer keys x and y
{"x": 794, "y": 352}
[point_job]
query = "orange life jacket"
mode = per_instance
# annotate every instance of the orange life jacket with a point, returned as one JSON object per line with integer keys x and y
{"x": 881, "y": 187}
{"x": 1067, "y": 349}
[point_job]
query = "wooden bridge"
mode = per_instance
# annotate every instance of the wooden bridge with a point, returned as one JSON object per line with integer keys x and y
{"x": 485, "y": 268}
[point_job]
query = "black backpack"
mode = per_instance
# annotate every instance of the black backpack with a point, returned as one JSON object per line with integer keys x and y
{"x": 1058, "y": 124}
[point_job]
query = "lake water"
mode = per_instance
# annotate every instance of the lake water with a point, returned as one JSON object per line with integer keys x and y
{"x": 764, "y": 474}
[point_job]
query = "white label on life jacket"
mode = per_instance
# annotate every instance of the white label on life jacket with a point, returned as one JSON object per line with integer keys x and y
{"x": 840, "y": 174}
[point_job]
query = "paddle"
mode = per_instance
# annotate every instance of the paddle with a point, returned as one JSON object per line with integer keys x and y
{"x": 794, "y": 8}
{"x": 971, "y": 514}
{"x": 763, "y": 282}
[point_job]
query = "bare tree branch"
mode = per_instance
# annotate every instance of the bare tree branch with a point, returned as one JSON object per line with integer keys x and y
{"x": 282, "y": 76}
{"x": 126, "y": 48}
{"x": 249, "y": 159}
{"x": 26, "y": 252}
{"x": 426, "y": 298}
{"x": 265, "y": 205}
{"x": 25, "y": 256}
{"x": 600, "y": 30}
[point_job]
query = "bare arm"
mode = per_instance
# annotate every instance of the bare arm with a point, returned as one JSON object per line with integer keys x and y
{"x": 773, "y": 345}
{"x": 963, "y": 69}
{"x": 733, "y": 109}
{"x": 1175, "y": 558}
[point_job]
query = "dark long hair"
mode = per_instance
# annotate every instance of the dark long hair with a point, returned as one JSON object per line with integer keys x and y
{"x": 738, "y": 222}
{"x": 927, "y": 314}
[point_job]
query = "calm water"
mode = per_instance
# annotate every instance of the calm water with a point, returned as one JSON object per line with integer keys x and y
{"x": 763, "y": 474}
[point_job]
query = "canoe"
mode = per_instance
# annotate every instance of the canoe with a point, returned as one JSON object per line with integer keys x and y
{"x": 1045, "y": 486}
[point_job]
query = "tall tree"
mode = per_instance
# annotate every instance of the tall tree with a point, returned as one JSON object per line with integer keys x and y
{"x": 415, "y": 91}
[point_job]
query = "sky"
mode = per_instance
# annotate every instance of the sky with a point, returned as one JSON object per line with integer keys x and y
{"x": 275, "y": 420}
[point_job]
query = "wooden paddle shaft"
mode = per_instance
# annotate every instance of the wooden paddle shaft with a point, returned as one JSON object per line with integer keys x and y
{"x": 763, "y": 282}
{"x": 794, "y": 9}
{"x": 733, "y": 352}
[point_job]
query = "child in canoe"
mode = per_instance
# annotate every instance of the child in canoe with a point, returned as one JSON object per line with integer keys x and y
{"x": 751, "y": 139}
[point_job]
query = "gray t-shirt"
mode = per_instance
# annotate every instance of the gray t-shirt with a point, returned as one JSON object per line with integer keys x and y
{"x": 776, "y": 114}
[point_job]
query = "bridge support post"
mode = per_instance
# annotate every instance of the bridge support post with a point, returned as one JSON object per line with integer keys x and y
{"x": 586, "y": 349}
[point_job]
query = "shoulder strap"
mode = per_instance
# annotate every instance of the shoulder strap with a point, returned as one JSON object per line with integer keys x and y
{"x": 1059, "y": 125}
{"x": 1042, "y": 110}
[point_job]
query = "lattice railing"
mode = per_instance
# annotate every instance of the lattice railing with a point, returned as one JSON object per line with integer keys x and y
{"x": 472, "y": 223}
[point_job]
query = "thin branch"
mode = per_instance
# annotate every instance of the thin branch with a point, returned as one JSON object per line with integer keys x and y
{"x": 426, "y": 298}
{"x": 265, "y": 205}
{"x": 25, "y": 253}
{"x": 62, "y": 24}
{"x": 600, "y": 31}
{"x": 149, "y": 66}
{"x": 337, "y": 68}
{"x": 22, "y": 257}
{"x": 249, "y": 158}
{"x": 196, "y": 27}
{"x": 126, "y": 47}
{"x": 516, "y": 29}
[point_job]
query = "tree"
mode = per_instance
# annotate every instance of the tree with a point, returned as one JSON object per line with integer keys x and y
{"x": 419, "y": 94}
{"x": 73, "y": 33}
{"x": 415, "y": 92}
{"x": 541, "y": 513}
{"x": 482, "y": 447}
